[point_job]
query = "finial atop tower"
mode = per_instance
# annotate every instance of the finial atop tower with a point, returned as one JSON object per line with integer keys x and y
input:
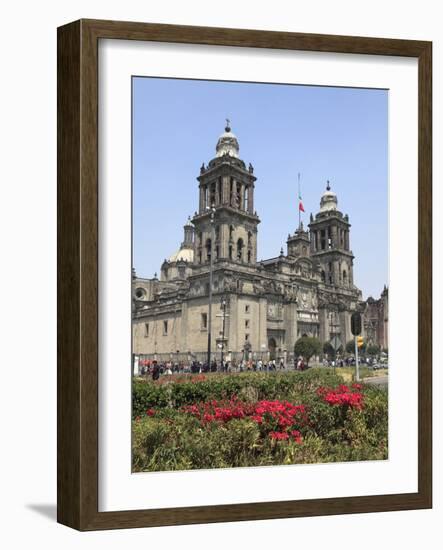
{"x": 328, "y": 200}
{"x": 227, "y": 143}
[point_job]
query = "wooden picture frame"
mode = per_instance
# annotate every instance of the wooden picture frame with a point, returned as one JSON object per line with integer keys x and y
{"x": 77, "y": 480}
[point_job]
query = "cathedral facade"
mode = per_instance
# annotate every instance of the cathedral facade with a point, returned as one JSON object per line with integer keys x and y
{"x": 259, "y": 308}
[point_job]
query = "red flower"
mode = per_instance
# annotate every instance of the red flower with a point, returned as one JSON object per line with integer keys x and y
{"x": 342, "y": 396}
{"x": 279, "y": 436}
{"x": 150, "y": 412}
{"x": 296, "y": 435}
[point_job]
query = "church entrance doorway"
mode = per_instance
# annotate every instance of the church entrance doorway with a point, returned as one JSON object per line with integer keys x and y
{"x": 272, "y": 346}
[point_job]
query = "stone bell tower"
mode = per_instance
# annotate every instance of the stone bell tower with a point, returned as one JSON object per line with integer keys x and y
{"x": 226, "y": 185}
{"x": 330, "y": 244}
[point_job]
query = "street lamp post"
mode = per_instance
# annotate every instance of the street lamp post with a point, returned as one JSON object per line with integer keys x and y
{"x": 223, "y": 305}
{"x": 211, "y": 267}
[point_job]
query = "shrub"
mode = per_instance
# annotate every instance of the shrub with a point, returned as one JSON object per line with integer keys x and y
{"x": 258, "y": 386}
{"x": 325, "y": 422}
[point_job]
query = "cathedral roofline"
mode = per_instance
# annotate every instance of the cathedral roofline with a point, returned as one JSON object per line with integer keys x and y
{"x": 328, "y": 214}
{"x": 224, "y": 207}
{"x": 333, "y": 251}
{"x": 226, "y": 162}
{"x": 298, "y": 235}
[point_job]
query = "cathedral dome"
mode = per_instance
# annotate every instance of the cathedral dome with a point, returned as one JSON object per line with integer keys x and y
{"x": 183, "y": 255}
{"x": 227, "y": 143}
{"x": 328, "y": 200}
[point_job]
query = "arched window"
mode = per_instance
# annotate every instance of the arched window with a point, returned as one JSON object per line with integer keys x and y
{"x": 323, "y": 275}
{"x": 238, "y": 197}
{"x": 249, "y": 256}
{"x": 240, "y": 245}
{"x": 212, "y": 195}
{"x": 217, "y": 252}
{"x": 220, "y": 187}
{"x": 208, "y": 249}
{"x": 345, "y": 278}
{"x": 230, "y": 252}
{"x": 231, "y": 232}
{"x": 330, "y": 237}
{"x": 246, "y": 199}
{"x": 322, "y": 239}
{"x": 249, "y": 238}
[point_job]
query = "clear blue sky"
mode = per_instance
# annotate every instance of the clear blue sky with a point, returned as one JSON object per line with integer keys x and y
{"x": 340, "y": 134}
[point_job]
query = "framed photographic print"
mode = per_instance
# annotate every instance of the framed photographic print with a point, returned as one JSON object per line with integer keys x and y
{"x": 244, "y": 275}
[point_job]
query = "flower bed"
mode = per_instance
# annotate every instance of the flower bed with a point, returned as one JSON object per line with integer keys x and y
{"x": 176, "y": 391}
{"x": 278, "y": 420}
{"x": 309, "y": 422}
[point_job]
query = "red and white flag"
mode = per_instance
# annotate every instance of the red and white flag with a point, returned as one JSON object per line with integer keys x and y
{"x": 300, "y": 202}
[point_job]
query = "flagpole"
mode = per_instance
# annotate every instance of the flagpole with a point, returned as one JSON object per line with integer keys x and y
{"x": 299, "y": 211}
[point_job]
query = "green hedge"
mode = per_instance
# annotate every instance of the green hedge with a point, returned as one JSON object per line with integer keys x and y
{"x": 171, "y": 440}
{"x": 249, "y": 386}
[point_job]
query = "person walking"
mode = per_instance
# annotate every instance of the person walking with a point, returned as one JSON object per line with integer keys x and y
{"x": 155, "y": 371}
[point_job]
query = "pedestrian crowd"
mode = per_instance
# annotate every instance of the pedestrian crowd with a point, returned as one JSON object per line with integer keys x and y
{"x": 156, "y": 369}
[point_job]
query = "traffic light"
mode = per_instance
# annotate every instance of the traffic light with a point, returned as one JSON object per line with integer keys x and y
{"x": 360, "y": 341}
{"x": 356, "y": 323}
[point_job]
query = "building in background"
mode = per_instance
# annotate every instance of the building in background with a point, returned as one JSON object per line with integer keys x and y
{"x": 260, "y": 308}
{"x": 376, "y": 320}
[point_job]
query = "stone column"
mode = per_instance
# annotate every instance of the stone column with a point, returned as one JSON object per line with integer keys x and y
{"x": 182, "y": 341}
{"x": 224, "y": 238}
{"x": 347, "y": 239}
{"x": 242, "y": 197}
{"x": 334, "y": 236}
{"x": 263, "y": 312}
{"x": 251, "y": 198}
{"x": 324, "y": 325}
{"x": 345, "y": 327}
{"x": 336, "y": 271}
{"x": 290, "y": 326}
{"x": 233, "y": 323}
{"x": 217, "y": 185}
{"x": 225, "y": 190}
{"x": 202, "y": 198}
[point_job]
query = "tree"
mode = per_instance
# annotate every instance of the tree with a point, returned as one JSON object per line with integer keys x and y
{"x": 373, "y": 349}
{"x": 307, "y": 346}
{"x": 350, "y": 346}
{"x": 328, "y": 349}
